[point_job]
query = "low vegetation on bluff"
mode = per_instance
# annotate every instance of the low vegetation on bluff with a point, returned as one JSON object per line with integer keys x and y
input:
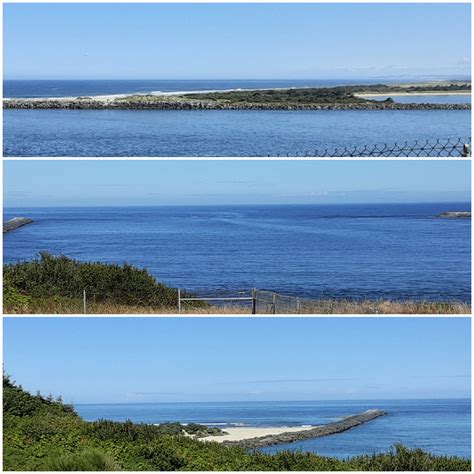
{"x": 55, "y": 283}
{"x": 43, "y": 434}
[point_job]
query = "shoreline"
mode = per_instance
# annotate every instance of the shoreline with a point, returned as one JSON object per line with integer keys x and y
{"x": 356, "y": 97}
{"x": 243, "y": 433}
{"x": 107, "y": 97}
{"x": 258, "y": 438}
{"x": 408, "y": 94}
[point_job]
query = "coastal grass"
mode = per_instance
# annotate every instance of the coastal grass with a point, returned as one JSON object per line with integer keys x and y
{"x": 43, "y": 434}
{"x": 62, "y": 305}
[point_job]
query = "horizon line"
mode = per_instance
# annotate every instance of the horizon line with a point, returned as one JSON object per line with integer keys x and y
{"x": 278, "y": 401}
{"x": 237, "y": 204}
{"x": 464, "y": 75}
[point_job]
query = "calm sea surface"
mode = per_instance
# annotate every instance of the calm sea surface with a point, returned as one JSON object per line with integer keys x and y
{"x": 438, "y": 426}
{"x": 212, "y": 132}
{"x": 394, "y": 251}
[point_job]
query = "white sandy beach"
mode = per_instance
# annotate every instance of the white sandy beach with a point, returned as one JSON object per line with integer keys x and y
{"x": 402, "y": 94}
{"x": 241, "y": 433}
{"x": 109, "y": 97}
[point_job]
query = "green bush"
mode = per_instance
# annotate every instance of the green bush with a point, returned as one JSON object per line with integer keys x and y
{"x": 60, "y": 276}
{"x": 12, "y": 297}
{"x": 87, "y": 460}
{"x": 18, "y": 402}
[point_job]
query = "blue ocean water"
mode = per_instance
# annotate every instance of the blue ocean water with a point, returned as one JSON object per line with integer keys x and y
{"x": 390, "y": 251}
{"x": 431, "y": 99}
{"x": 211, "y": 132}
{"x": 438, "y": 426}
{"x": 218, "y": 132}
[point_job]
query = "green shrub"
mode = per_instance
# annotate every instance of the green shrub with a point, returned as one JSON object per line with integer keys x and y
{"x": 60, "y": 276}
{"x": 87, "y": 460}
{"x": 18, "y": 402}
{"x": 12, "y": 297}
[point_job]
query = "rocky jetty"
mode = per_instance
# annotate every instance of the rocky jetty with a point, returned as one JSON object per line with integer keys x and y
{"x": 332, "y": 428}
{"x": 15, "y": 223}
{"x": 176, "y": 103}
{"x": 455, "y": 215}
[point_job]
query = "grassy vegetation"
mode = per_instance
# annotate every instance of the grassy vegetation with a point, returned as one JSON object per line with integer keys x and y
{"x": 43, "y": 434}
{"x": 59, "y": 305}
{"x": 324, "y": 95}
{"x": 310, "y": 96}
{"x": 56, "y": 284}
{"x": 320, "y": 95}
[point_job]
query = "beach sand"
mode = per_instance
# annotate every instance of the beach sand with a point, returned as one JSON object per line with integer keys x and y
{"x": 403, "y": 94}
{"x": 241, "y": 433}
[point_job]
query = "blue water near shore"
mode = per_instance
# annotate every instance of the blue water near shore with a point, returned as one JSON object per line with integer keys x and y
{"x": 390, "y": 251}
{"x": 208, "y": 132}
{"x": 219, "y": 132}
{"x": 431, "y": 99}
{"x": 438, "y": 426}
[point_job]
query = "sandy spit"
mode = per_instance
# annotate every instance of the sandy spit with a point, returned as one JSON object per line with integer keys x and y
{"x": 400, "y": 94}
{"x": 241, "y": 433}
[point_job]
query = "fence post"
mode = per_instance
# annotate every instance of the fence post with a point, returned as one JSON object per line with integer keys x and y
{"x": 274, "y": 304}
{"x": 466, "y": 151}
{"x": 297, "y": 306}
{"x": 179, "y": 301}
{"x": 84, "y": 302}
{"x": 254, "y": 301}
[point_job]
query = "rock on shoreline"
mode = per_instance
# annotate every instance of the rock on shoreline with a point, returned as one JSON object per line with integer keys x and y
{"x": 15, "y": 223}
{"x": 289, "y": 437}
{"x": 153, "y": 103}
{"x": 455, "y": 215}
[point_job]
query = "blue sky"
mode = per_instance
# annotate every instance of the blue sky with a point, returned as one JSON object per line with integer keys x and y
{"x": 93, "y": 360}
{"x": 250, "y": 41}
{"x": 33, "y": 183}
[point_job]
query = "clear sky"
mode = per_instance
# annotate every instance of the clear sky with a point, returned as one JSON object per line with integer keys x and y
{"x": 34, "y": 183}
{"x": 250, "y": 41}
{"x": 93, "y": 360}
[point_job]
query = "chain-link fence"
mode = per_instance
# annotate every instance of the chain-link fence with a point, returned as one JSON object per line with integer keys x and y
{"x": 436, "y": 148}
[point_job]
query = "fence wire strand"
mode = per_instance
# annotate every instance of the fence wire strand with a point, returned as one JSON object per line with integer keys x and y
{"x": 436, "y": 148}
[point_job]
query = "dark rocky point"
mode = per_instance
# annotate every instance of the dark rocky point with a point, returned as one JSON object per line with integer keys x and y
{"x": 15, "y": 223}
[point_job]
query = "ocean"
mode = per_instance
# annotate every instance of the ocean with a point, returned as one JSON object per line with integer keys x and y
{"x": 441, "y": 427}
{"x": 210, "y": 132}
{"x": 378, "y": 251}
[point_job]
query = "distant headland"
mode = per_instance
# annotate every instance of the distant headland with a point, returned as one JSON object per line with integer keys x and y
{"x": 357, "y": 97}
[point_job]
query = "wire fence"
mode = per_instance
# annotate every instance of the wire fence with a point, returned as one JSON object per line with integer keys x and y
{"x": 268, "y": 302}
{"x": 436, "y": 148}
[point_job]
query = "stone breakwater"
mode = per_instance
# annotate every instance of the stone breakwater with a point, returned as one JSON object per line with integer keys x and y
{"x": 455, "y": 215}
{"x": 14, "y": 223}
{"x": 180, "y": 104}
{"x": 325, "y": 430}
